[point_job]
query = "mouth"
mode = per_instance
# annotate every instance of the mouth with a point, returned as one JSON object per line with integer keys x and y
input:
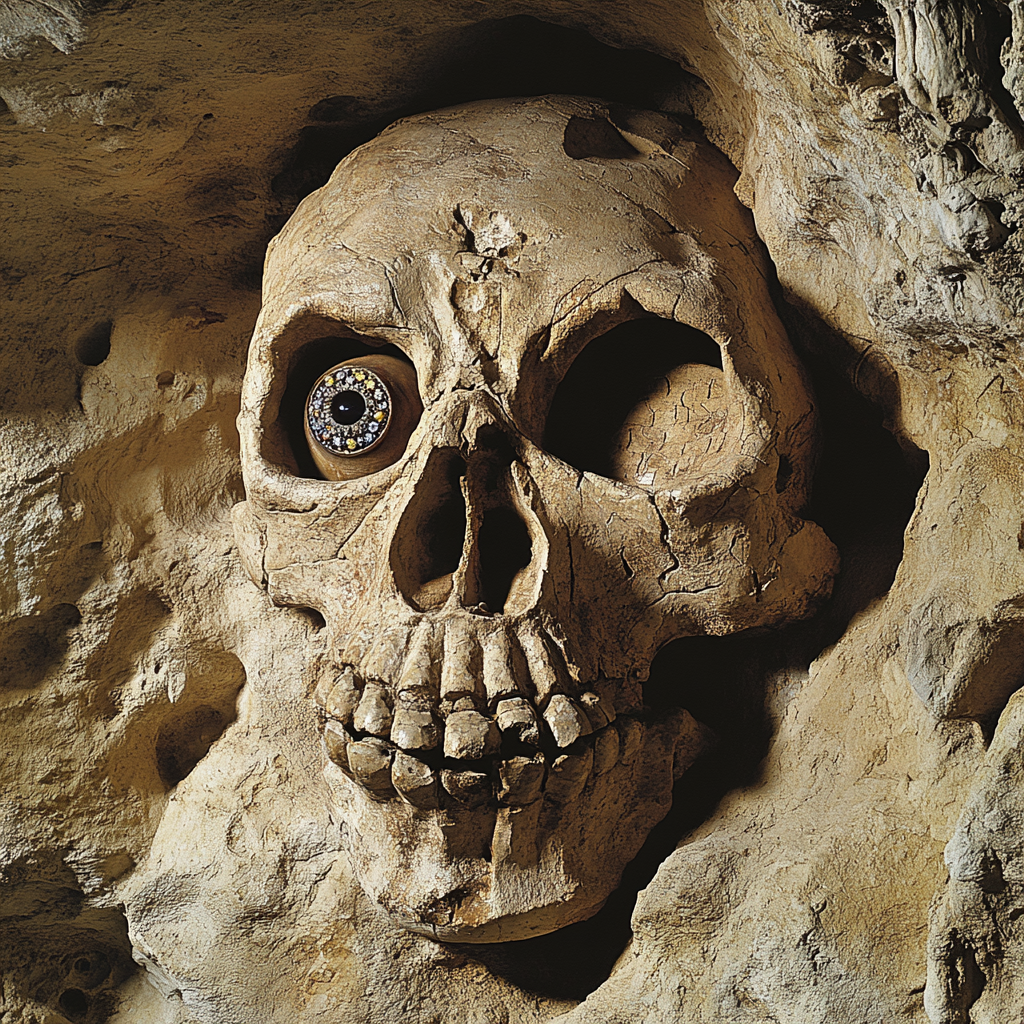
{"x": 461, "y": 755}
{"x": 448, "y": 747}
{"x": 488, "y": 794}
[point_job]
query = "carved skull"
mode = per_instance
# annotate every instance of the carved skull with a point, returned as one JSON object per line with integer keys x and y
{"x": 560, "y": 495}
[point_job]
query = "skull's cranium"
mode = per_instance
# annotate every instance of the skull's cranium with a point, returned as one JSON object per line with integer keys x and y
{"x": 493, "y": 608}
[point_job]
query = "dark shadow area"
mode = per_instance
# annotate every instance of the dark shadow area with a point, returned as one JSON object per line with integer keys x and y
{"x": 504, "y": 549}
{"x": 595, "y": 138}
{"x": 864, "y": 495}
{"x": 607, "y": 380}
{"x": 187, "y": 732}
{"x": 32, "y": 646}
{"x": 518, "y": 56}
{"x": 186, "y": 740}
{"x": 427, "y": 546}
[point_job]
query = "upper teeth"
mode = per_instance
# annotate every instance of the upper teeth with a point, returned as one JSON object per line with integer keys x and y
{"x": 476, "y": 718}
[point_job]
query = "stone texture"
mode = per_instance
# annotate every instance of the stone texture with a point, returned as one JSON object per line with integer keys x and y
{"x": 161, "y": 748}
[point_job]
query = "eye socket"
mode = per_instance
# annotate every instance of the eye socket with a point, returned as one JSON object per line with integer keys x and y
{"x": 360, "y": 414}
{"x": 348, "y": 412}
{"x": 641, "y": 403}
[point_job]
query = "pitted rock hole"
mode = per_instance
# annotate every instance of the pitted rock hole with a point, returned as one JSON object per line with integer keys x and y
{"x": 74, "y": 1002}
{"x": 314, "y": 618}
{"x": 90, "y": 969}
{"x": 70, "y": 967}
{"x": 186, "y": 741}
{"x": 30, "y": 647}
{"x": 607, "y": 380}
{"x": 206, "y": 705}
{"x": 311, "y": 360}
{"x": 93, "y": 347}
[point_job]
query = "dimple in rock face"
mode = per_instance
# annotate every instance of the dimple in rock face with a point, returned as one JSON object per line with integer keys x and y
{"x": 498, "y": 572}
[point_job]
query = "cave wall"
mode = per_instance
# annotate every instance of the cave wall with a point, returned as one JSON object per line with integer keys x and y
{"x": 852, "y": 852}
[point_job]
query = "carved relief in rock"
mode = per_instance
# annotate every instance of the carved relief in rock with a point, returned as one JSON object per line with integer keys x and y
{"x": 498, "y": 571}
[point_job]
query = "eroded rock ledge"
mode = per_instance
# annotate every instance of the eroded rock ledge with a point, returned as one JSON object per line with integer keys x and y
{"x": 847, "y": 854}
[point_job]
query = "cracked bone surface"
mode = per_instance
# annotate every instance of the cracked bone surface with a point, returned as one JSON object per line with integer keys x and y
{"x": 490, "y": 590}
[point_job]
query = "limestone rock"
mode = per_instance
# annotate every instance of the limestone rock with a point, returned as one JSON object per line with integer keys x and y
{"x": 174, "y": 849}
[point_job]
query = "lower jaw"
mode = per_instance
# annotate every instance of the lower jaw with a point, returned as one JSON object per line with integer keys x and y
{"x": 492, "y": 873}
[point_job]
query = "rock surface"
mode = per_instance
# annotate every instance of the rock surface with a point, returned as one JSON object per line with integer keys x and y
{"x": 848, "y": 854}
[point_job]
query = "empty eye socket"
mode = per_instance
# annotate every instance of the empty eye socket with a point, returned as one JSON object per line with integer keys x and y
{"x": 349, "y": 409}
{"x": 635, "y": 402}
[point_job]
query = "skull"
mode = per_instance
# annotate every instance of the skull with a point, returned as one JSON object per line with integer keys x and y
{"x": 598, "y": 440}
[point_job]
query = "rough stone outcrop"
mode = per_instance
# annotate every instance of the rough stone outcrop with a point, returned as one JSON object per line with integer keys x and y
{"x": 848, "y": 852}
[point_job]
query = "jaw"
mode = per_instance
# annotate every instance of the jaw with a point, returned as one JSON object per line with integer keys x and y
{"x": 477, "y": 868}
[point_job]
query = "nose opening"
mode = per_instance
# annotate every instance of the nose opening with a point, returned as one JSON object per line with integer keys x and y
{"x": 504, "y": 549}
{"x": 431, "y": 536}
{"x": 462, "y": 532}
{"x": 501, "y": 545}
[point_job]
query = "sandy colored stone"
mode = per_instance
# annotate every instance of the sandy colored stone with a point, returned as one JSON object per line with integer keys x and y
{"x": 160, "y": 734}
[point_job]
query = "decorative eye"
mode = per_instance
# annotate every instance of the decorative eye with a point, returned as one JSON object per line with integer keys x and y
{"x": 360, "y": 414}
{"x": 348, "y": 411}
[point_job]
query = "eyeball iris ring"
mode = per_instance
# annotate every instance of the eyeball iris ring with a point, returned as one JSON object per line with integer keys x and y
{"x": 348, "y": 410}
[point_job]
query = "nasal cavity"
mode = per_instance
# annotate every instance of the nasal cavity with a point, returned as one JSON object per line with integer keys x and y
{"x": 503, "y": 551}
{"x": 428, "y": 544}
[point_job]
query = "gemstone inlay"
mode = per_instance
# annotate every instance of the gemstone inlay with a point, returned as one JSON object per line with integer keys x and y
{"x": 348, "y": 410}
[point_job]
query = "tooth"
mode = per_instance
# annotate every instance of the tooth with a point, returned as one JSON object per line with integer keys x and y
{"x": 606, "y": 749}
{"x": 372, "y": 715}
{"x": 370, "y": 761}
{"x": 520, "y": 780}
{"x": 414, "y": 729}
{"x": 469, "y": 788}
{"x": 383, "y": 660}
{"x": 468, "y": 736}
{"x": 458, "y": 675}
{"x": 599, "y": 710}
{"x": 631, "y": 738}
{"x": 516, "y": 718}
{"x": 336, "y": 741}
{"x": 566, "y": 720}
{"x": 338, "y": 696}
{"x": 415, "y": 782}
{"x": 499, "y": 677}
{"x": 542, "y": 661}
{"x": 419, "y": 674}
{"x": 568, "y": 774}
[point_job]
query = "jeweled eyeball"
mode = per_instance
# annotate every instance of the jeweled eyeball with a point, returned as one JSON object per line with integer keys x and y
{"x": 349, "y": 410}
{"x": 360, "y": 415}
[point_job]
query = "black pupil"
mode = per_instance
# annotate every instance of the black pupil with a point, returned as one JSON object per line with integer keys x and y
{"x": 347, "y": 407}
